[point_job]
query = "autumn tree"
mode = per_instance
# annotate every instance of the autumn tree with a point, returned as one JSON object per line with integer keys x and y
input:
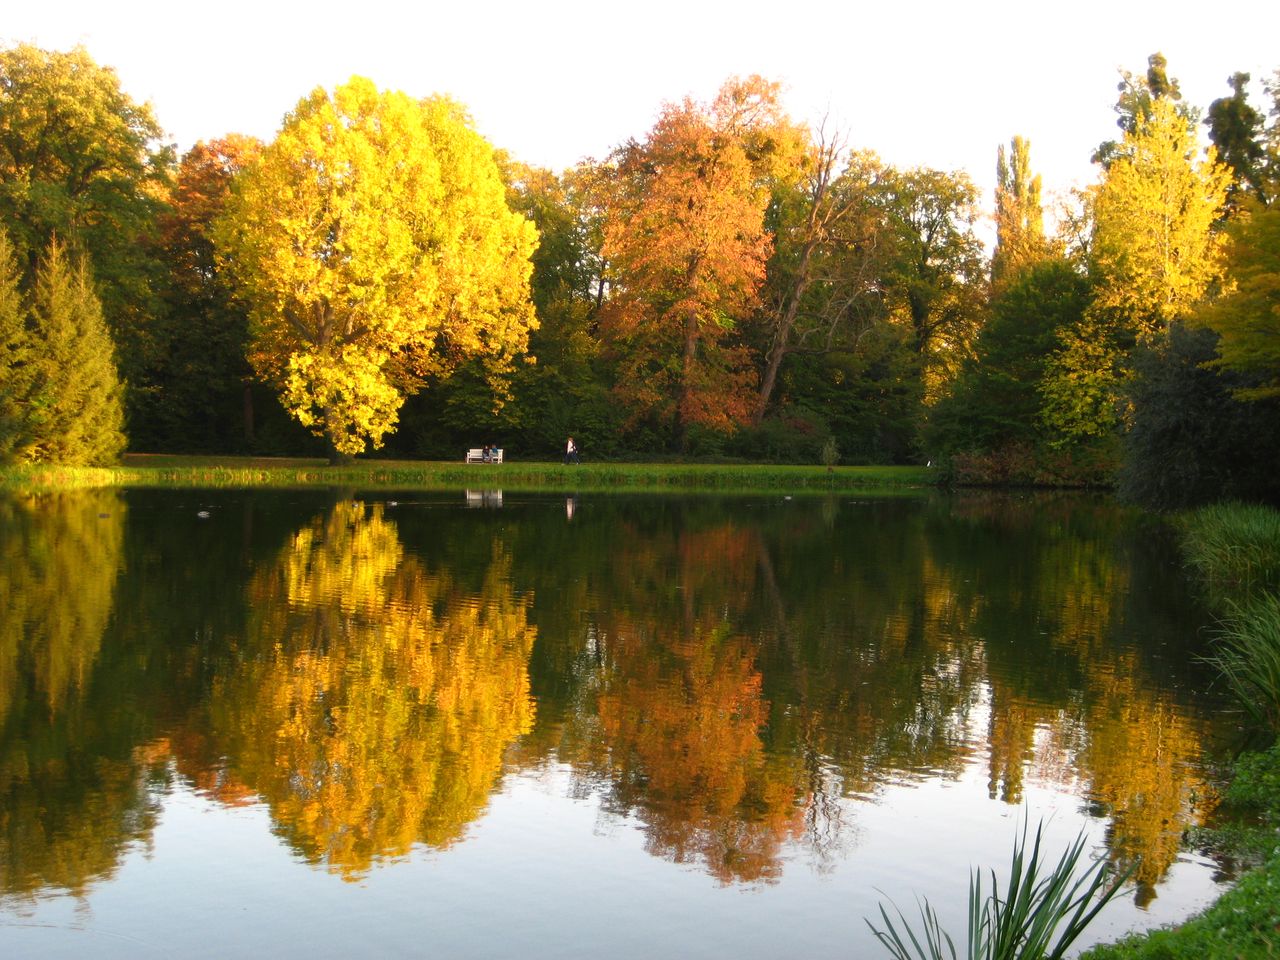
{"x": 687, "y": 246}
{"x": 62, "y": 397}
{"x": 81, "y": 160}
{"x": 374, "y": 244}
{"x": 934, "y": 283}
{"x": 206, "y": 403}
{"x": 822, "y": 290}
{"x": 1020, "y": 239}
{"x": 1137, "y": 94}
{"x": 1155, "y": 248}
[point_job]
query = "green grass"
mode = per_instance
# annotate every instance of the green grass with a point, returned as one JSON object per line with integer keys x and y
{"x": 1234, "y": 547}
{"x": 1243, "y": 925}
{"x": 175, "y": 471}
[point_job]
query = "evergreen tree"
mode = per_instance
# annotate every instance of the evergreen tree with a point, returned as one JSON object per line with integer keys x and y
{"x": 14, "y": 350}
{"x": 72, "y": 402}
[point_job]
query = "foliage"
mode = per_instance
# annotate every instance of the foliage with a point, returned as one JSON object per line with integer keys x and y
{"x": 205, "y": 402}
{"x": 685, "y": 239}
{"x": 997, "y": 400}
{"x": 374, "y": 244}
{"x": 821, "y": 293}
{"x": 1155, "y": 250}
{"x": 1020, "y": 239}
{"x": 1190, "y": 440}
{"x": 1038, "y": 918}
{"x": 80, "y": 160}
{"x": 1247, "y": 317}
{"x": 1236, "y": 129}
{"x": 1138, "y": 94}
{"x": 63, "y": 398}
{"x": 934, "y": 279}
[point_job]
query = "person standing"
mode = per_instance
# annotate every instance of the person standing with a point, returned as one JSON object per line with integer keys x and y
{"x": 571, "y": 452}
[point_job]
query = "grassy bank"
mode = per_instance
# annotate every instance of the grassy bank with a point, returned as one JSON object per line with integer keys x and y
{"x": 174, "y": 471}
{"x": 1235, "y": 551}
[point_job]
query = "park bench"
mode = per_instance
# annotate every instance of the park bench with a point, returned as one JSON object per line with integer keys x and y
{"x": 476, "y": 455}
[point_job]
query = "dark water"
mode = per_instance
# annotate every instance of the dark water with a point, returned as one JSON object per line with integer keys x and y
{"x": 326, "y": 724}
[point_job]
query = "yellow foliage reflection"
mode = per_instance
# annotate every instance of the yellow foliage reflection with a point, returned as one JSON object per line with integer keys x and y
{"x": 59, "y": 560}
{"x": 372, "y": 703}
{"x": 71, "y": 796}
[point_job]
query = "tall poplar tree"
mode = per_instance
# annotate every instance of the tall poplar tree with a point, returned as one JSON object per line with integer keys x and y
{"x": 1020, "y": 238}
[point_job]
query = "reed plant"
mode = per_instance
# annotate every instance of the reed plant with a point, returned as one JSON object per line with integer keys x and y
{"x": 1247, "y": 654}
{"x": 1039, "y": 916}
{"x": 1234, "y": 547}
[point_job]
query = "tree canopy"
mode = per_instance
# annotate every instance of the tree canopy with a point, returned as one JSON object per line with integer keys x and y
{"x": 374, "y": 244}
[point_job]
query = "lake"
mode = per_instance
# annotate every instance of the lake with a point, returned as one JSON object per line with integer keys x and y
{"x": 488, "y": 724}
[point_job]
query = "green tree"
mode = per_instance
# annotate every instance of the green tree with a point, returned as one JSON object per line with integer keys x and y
{"x": 1247, "y": 317}
{"x": 997, "y": 401}
{"x": 67, "y": 393}
{"x": 821, "y": 294}
{"x": 935, "y": 278}
{"x": 1020, "y": 239}
{"x": 81, "y": 160}
{"x": 1191, "y": 440}
{"x": 15, "y": 349}
{"x": 374, "y": 244}
{"x": 206, "y": 401}
{"x": 1236, "y": 130}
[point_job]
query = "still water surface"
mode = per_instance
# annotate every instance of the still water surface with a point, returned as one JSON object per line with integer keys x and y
{"x": 325, "y": 724}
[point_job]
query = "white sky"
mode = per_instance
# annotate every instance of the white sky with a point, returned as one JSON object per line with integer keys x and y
{"x": 923, "y": 83}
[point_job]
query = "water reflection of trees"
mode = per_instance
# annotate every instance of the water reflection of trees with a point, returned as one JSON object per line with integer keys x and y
{"x": 369, "y": 704}
{"x": 73, "y": 790}
{"x": 851, "y": 648}
{"x": 729, "y": 677}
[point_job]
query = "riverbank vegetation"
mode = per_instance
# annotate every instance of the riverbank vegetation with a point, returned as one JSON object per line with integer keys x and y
{"x": 733, "y": 284}
{"x": 176, "y": 471}
{"x": 1235, "y": 551}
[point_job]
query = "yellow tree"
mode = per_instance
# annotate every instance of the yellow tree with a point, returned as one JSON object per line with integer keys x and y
{"x": 1020, "y": 239}
{"x": 375, "y": 246}
{"x": 1155, "y": 248}
{"x": 686, "y": 242}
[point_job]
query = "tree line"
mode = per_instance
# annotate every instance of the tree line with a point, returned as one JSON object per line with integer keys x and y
{"x": 730, "y": 284}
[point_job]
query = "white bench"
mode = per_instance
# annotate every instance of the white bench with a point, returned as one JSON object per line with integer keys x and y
{"x": 476, "y": 455}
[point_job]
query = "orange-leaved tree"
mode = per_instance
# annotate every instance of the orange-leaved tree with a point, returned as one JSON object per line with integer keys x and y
{"x": 686, "y": 243}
